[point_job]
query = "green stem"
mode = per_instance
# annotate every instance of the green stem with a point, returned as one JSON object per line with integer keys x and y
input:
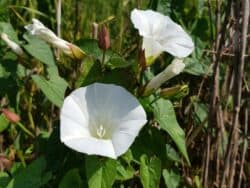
{"x": 31, "y": 120}
{"x": 25, "y": 129}
{"x": 103, "y": 60}
{"x": 20, "y": 156}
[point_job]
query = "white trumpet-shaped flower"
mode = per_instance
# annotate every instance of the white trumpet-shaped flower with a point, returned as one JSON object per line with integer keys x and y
{"x": 38, "y": 29}
{"x": 160, "y": 34}
{"x": 175, "y": 68}
{"x": 101, "y": 119}
{"x": 12, "y": 45}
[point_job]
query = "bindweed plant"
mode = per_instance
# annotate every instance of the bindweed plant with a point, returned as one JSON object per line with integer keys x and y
{"x": 104, "y": 110}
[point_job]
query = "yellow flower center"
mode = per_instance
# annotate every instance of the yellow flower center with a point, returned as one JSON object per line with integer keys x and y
{"x": 100, "y": 131}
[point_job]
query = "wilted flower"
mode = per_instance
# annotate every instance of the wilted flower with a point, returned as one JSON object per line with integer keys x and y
{"x": 11, "y": 116}
{"x": 38, "y": 29}
{"x": 12, "y": 45}
{"x": 175, "y": 68}
{"x": 101, "y": 119}
{"x": 103, "y": 38}
{"x": 160, "y": 34}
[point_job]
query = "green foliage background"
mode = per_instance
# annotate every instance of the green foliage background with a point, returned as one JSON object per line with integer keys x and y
{"x": 34, "y": 87}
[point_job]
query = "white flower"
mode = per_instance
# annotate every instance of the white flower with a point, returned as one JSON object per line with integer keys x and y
{"x": 160, "y": 34}
{"x": 38, "y": 29}
{"x": 175, "y": 68}
{"x": 101, "y": 119}
{"x": 12, "y": 45}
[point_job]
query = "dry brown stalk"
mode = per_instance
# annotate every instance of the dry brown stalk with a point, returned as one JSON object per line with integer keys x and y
{"x": 240, "y": 43}
{"x": 214, "y": 102}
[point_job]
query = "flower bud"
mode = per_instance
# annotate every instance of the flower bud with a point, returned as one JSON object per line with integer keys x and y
{"x": 103, "y": 38}
{"x": 175, "y": 92}
{"x": 11, "y": 116}
{"x": 5, "y": 163}
{"x": 12, "y": 45}
{"x": 175, "y": 68}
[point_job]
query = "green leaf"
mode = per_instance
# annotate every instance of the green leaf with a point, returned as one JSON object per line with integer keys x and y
{"x": 124, "y": 173}
{"x": 9, "y": 80}
{"x": 8, "y": 68}
{"x": 101, "y": 173}
{"x": 122, "y": 77}
{"x": 90, "y": 47}
{"x": 150, "y": 171}
{"x": 71, "y": 179}
{"x": 54, "y": 88}
{"x": 172, "y": 180}
{"x": 201, "y": 111}
{"x": 165, "y": 116}
{"x": 201, "y": 28}
{"x": 128, "y": 156}
{"x": 198, "y": 64}
{"x": 4, "y": 179}
{"x": 4, "y": 123}
{"x": 40, "y": 50}
{"x": 90, "y": 72}
{"x": 118, "y": 62}
{"x": 112, "y": 59}
{"x": 4, "y": 12}
{"x": 195, "y": 68}
{"x": 164, "y": 6}
{"x": 9, "y": 87}
{"x": 52, "y": 71}
{"x": 155, "y": 146}
{"x": 32, "y": 176}
{"x": 3, "y": 72}
{"x": 172, "y": 154}
{"x": 8, "y": 29}
{"x": 22, "y": 71}
{"x": 16, "y": 168}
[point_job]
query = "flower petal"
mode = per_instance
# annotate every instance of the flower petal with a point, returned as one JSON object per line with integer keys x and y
{"x": 74, "y": 119}
{"x": 92, "y": 146}
{"x": 176, "y": 41}
{"x": 109, "y": 100}
{"x": 70, "y": 129}
{"x": 140, "y": 22}
{"x": 152, "y": 47}
{"x": 160, "y": 34}
{"x": 11, "y": 44}
{"x": 175, "y": 68}
{"x": 38, "y": 29}
{"x": 125, "y": 135}
{"x": 149, "y": 23}
{"x": 74, "y": 128}
{"x": 107, "y": 105}
{"x": 36, "y": 25}
{"x": 128, "y": 129}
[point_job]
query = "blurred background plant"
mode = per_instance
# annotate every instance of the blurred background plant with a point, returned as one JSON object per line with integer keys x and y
{"x": 210, "y": 100}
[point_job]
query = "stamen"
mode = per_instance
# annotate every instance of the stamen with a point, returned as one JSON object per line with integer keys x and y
{"x": 100, "y": 131}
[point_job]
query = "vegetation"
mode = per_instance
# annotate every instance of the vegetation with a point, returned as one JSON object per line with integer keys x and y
{"x": 197, "y": 130}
